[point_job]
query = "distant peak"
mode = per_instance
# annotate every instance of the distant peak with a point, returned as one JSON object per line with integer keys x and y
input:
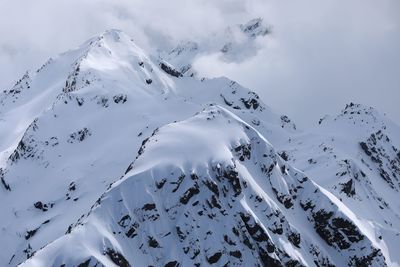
{"x": 113, "y": 53}
{"x": 354, "y": 108}
{"x": 113, "y": 32}
{"x": 353, "y": 111}
{"x": 255, "y": 27}
{"x": 359, "y": 115}
{"x": 115, "y": 35}
{"x": 108, "y": 36}
{"x": 362, "y": 115}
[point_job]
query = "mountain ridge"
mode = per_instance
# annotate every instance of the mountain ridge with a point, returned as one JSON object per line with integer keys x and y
{"x": 268, "y": 254}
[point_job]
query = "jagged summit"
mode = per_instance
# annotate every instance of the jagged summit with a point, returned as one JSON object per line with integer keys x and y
{"x": 115, "y": 55}
{"x": 110, "y": 35}
{"x": 116, "y": 35}
{"x": 359, "y": 119}
{"x": 352, "y": 109}
{"x": 110, "y": 41}
{"x": 255, "y": 27}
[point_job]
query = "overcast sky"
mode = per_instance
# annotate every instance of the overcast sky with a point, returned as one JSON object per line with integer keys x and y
{"x": 320, "y": 55}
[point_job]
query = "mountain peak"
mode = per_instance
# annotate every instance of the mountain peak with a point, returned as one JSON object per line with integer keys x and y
{"x": 116, "y": 36}
{"x": 356, "y": 118}
{"x": 356, "y": 107}
{"x": 110, "y": 35}
{"x": 255, "y": 27}
{"x": 113, "y": 56}
{"x": 115, "y": 33}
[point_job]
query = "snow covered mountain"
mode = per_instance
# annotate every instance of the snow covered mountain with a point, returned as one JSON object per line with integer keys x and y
{"x": 110, "y": 156}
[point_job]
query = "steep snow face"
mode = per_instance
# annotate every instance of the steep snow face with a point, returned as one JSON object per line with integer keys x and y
{"x": 234, "y": 44}
{"x": 71, "y": 128}
{"x": 190, "y": 200}
{"x": 355, "y": 155}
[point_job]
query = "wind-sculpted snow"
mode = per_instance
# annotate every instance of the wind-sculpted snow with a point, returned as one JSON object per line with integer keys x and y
{"x": 182, "y": 203}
